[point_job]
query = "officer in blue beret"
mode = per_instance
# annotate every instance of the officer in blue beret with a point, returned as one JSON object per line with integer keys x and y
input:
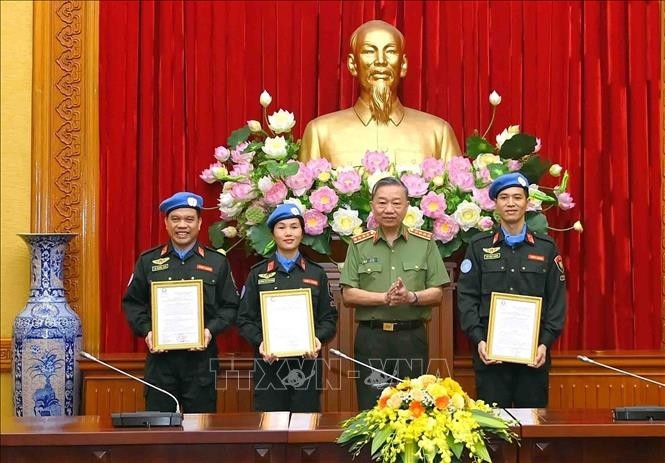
{"x": 189, "y": 374}
{"x": 511, "y": 259}
{"x": 292, "y": 383}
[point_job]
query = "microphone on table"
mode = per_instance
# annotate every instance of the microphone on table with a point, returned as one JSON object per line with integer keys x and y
{"x": 649, "y": 412}
{"x": 378, "y": 385}
{"x": 145, "y": 418}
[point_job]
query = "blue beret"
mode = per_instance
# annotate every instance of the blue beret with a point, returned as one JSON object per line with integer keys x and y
{"x": 181, "y": 199}
{"x": 283, "y": 212}
{"x": 507, "y": 181}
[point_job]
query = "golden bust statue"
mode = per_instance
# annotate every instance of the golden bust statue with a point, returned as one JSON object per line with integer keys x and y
{"x": 378, "y": 120}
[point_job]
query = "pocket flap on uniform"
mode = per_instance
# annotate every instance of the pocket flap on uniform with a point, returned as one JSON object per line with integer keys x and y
{"x": 414, "y": 265}
{"x": 369, "y": 267}
{"x": 532, "y": 266}
{"x": 495, "y": 265}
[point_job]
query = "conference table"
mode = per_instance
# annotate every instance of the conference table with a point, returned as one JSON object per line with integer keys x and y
{"x": 546, "y": 435}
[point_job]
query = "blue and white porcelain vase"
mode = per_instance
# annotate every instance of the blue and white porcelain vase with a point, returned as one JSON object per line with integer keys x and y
{"x": 47, "y": 335}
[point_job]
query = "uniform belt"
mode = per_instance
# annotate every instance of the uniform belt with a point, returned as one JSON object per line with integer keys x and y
{"x": 392, "y": 326}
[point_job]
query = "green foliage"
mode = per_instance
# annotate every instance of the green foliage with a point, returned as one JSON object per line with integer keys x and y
{"x": 215, "y": 234}
{"x": 518, "y": 146}
{"x": 476, "y": 145}
{"x": 446, "y": 250}
{"x": 497, "y": 170}
{"x": 260, "y": 239}
{"x": 534, "y": 167}
{"x": 238, "y": 136}
{"x": 537, "y": 222}
{"x": 319, "y": 243}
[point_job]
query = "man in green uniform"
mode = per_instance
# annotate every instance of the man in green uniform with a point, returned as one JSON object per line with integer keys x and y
{"x": 511, "y": 259}
{"x": 392, "y": 276}
{"x": 187, "y": 374}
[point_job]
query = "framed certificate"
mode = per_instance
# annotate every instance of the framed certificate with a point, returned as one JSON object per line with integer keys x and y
{"x": 177, "y": 314}
{"x": 288, "y": 322}
{"x": 513, "y": 328}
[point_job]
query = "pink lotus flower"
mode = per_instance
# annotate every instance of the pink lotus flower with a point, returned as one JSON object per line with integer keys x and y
{"x": 432, "y": 167}
{"x": 482, "y": 197}
{"x": 207, "y": 176}
{"x": 565, "y": 201}
{"x": 324, "y": 199}
{"x": 222, "y": 154}
{"x": 241, "y": 170}
{"x": 459, "y": 172}
{"x": 514, "y": 165}
{"x": 539, "y": 144}
{"x": 433, "y": 205}
{"x": 374, "y": 161}
{"x": 485, "y": 223}
{"x": 348, "y": 181}
{"x": 415, "y": 185}
{"x": 300, "y": 181}
{"x": 484, "y": 175}
{"x": 239, "y": 157}
{"x": 242, "y": 191}
{"x": 445, "y": 229}
{"x": 372, "y": 224}
{"x": 318, "y": 166}
{"x": 315, "y": 222}
{"x": 276, "y": 194}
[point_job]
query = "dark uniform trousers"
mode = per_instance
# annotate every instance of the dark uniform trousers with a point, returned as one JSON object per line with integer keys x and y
{"x": 402, "y": 353}
{"x": 188, "y": 375}
{"x": 532, "y": 268}
{"x": 289, "y": 384}
{"x": 292, "y": 384}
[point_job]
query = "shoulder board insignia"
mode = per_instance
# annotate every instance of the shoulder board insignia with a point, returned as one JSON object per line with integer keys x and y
{"x": 222, "y": 251}
{"x": 161, "y": 260}
{"x": 364, "y": 236}
{"x": 420, "y": 233}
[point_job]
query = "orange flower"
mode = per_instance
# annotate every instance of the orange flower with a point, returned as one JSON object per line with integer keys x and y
{"x": 382, "y": 401}
{"x": 416, "y": 408}
{"x": 442, "y": 402}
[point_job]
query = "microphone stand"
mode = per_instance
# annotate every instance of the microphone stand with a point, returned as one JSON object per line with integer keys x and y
{"x": 145, "y": 418}
{"x": 639, "y": 413}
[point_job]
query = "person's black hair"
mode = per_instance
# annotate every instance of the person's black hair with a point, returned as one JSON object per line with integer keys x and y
{"x": 389, "y": 181}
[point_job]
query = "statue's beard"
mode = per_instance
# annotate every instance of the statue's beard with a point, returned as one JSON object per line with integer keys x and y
{"x": 381, "y": 101}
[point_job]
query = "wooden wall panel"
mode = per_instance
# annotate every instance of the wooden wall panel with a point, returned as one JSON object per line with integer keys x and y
{"x": 571, "y": 385}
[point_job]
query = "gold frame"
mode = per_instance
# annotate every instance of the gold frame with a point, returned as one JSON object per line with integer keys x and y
{"x": 490, "y": 330}
{"x": 154, "y": 286}
{"x": 307, "y": 292}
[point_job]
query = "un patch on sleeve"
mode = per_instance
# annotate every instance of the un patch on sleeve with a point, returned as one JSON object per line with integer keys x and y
{"x": 465, "y": 266}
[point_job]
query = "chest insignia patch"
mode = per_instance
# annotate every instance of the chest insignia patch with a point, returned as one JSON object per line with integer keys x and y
{"x": 207, "y": 268}
{"x": 157, "y": 268}
{"x": 537, "y": 257}
{"x": 491, "y": 250}
{"x": 491, "y": 256}
{"x": 266, "y": 281}
{"x": 309, "y": 281}
{"x": 267, "y": 275}
{"x": 161, "y": 261}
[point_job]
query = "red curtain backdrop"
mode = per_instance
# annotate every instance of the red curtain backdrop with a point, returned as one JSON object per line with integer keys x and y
{"x": 177, "y": 77}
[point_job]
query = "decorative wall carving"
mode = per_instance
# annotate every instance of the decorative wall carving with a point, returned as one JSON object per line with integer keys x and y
{"x": 65, "y": 145}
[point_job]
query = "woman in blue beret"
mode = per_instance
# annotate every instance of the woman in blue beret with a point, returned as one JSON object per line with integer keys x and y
{"x": 287, "y": 384}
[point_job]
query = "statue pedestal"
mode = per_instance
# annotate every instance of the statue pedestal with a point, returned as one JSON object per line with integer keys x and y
{"x": 338, "y": 377}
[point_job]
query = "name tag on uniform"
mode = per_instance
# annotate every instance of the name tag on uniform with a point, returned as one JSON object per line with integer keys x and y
{"x": 157, "y": 268}
{"x": 309, "y": 281}
{"x": 207, "y": 268}
{"x": 266, "y": 281}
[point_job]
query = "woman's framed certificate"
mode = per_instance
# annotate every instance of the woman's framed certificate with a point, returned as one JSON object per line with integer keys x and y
{"x": 288, "y": 322}
{"x": 513, "y": 328}
{"x": 177, "y": 314}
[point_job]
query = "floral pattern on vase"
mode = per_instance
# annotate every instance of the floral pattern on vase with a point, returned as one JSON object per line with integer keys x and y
{"x": 47, "y": 335}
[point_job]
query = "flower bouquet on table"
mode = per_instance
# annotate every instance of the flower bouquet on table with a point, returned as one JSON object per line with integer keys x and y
{"x": 426, "y": 419}
{"x": 260, "y": 169}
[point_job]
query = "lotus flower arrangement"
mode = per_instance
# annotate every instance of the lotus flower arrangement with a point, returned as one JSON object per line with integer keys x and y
{"x": 260, "y": 169}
